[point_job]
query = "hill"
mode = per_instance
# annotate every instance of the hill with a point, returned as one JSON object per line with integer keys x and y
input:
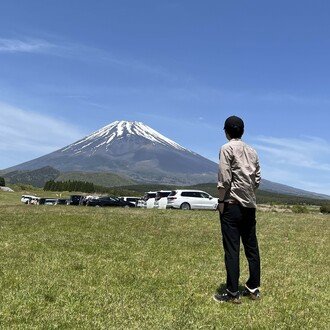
{"x": 36, "y": 178}
{"x": 39, "y": 177}
{"x": 104, "y": 179}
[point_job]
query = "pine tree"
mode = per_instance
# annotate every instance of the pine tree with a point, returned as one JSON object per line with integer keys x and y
{"x": 2, "y": 182}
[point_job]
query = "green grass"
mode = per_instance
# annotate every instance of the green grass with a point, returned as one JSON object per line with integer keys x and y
{"x": 66, "y": 267}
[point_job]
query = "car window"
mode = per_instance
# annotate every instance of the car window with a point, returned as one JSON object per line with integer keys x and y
{"x": 164, "y": 194}
{"x": 173, "y": 193}
{"x": 204, "y": 195}
{"x": 188, "y": 194}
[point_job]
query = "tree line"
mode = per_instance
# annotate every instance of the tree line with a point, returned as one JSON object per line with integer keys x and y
{"x": 86, "y": 187}
{"x": 81, "y": 186}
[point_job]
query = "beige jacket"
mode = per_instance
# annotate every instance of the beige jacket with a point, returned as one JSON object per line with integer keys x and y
{"x": 239, "y": 172}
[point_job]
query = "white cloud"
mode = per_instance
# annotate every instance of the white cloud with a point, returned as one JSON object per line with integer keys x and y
{"x": 302, "y": 163}
{"x": 81, "y": 52}
{"x": 31, "y": 134}
{"x": 308, "y": 152}
{"x": 24, "y": 46}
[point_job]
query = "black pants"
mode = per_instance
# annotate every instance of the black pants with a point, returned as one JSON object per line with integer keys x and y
{"x": 240, "y": 222}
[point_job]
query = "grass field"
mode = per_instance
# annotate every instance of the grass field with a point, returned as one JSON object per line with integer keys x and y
{"x": 66, "y": 267}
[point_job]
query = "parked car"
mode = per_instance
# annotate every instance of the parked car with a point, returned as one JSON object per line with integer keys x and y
{"x": 191, "y": 199}
{"x": 149, "y": 199}
{"x": 61, "y": 201}
{"x": 84, "y": 199}
{"x": 161, "y": 199}
{"x": 109, "y": 201}
{"x": 35, "y": 200}
{"x": 75, "y": 200}
{"x": 140, "y": 202}
{"x": 26, "y": 199}
{"x": 134, "y": 200}
{"x": 47, "y": 201}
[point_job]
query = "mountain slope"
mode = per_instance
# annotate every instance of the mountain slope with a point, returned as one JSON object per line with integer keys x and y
{"x": 132, "y": 149}
{"x": 279, "y": 188}
{"x": 103, "y": 179}
{"x": 35, "y": 178}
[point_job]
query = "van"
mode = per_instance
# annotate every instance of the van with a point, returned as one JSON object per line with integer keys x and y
{"x": 149, "y": 199}
{"x": 161, "y": 199}
{"x": 26, "y": 199}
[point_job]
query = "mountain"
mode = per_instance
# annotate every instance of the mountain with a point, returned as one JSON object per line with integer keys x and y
{"x": 279, "y": 188}
{"x": 104, "y": 179}
{"x": 135, "y": 152}
{"x": 39, "y": 177}
{"x": 132, "y": 149}
{"x": 35, "y": 178}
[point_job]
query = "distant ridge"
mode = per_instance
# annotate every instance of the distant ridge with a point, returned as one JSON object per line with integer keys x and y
{"x": 279, "y": 188}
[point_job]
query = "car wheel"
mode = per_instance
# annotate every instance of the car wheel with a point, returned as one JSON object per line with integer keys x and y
{"x": 185, "y": 206}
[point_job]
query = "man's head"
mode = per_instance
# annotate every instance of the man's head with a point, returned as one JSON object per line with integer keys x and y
{"x": 234, "y": 127}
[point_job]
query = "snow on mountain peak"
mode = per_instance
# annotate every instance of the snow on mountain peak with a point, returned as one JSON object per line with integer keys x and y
{"x": 119, "y": 130}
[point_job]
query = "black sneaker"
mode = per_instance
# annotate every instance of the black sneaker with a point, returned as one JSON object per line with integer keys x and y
{"x": 254, "y": 295}
{"x": 227, "y": 297}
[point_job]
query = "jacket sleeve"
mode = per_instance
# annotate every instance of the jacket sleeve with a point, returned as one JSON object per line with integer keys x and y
{"x": 224, "y": 173}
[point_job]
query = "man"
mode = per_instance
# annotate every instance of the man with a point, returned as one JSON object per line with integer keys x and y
{"x": 238, "y": 178}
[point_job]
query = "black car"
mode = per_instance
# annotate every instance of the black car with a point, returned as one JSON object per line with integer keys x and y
{"x": 61, "y": 201}
{"x": 109, "y": 201}
{"x": 75, "y": 200}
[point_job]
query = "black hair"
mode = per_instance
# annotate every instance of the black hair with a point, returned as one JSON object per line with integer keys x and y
{"x": 235, "y": 132}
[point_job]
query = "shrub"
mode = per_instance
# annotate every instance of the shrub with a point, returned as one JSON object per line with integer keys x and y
{"x": 325, "y": 208}
{"x": 2, "y": 182}
{"x": 299, "y": 209}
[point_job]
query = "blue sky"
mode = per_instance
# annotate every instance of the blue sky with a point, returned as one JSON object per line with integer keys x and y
{"x": 68, "y": 68}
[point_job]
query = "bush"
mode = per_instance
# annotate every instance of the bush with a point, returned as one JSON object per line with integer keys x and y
{"x": 325, "y": 208}
{"x": 299, "y": 209}
{"x": 2, "y": 182}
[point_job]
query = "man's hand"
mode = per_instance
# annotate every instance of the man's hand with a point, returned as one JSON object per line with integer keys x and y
{"x": 222, "y": 193}
{"x": 220, "y": 207}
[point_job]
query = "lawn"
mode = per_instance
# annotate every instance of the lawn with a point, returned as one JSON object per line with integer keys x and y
{"x": 67, "y": 267}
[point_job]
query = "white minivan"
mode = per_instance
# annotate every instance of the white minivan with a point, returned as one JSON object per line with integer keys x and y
{"x": 149, "y": 199}
{"x": 191, "y": 200}
{"x": 26, "y": 199}
{"x": 161, "y": 199}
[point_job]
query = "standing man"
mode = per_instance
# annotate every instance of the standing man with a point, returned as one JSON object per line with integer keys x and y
{"x": 238, "y": 178}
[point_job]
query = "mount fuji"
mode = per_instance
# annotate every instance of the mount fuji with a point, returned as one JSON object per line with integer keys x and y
{"x": 132, "y": 149}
